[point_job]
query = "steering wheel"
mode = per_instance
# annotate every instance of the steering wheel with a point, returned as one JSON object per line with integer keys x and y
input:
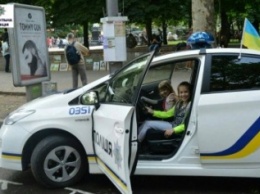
{"x": 119, "y": 98}
{"x": 141, "y": 112}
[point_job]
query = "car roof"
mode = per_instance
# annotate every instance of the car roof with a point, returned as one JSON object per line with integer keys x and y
{"x": 204, "y": 51}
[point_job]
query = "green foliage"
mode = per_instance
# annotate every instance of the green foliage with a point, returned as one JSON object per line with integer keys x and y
{"x": 172, "y": 11}
{"x": 64, "y": 30}
{"x": 72, "y": 14}
{"x": 78, "y": 12}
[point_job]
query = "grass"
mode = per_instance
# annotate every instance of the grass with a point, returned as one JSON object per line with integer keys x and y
{"x": 174, "y": 42}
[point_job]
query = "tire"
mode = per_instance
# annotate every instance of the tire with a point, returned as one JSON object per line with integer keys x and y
{"x": 49, "y": 166}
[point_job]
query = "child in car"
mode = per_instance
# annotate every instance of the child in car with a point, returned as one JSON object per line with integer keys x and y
{"x": 169, "y": 98}
{"x": 178, "y": 112}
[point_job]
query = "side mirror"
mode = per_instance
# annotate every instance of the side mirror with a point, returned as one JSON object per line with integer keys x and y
{"x": 90, "y": 98}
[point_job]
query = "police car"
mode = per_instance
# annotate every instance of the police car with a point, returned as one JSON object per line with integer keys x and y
{"x": 93, "y": 129}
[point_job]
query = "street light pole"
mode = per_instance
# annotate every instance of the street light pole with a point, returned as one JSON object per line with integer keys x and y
{"x": 112, "y": 7}
{"x": 114, "y": 36}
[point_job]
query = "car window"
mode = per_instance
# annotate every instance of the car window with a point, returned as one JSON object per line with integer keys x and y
{"x": 174, "y": 71}
{"x": 162, "y": 72}
{"x": 231, "y": 73}
{"x": 123, "y": 85}
{"x": 183, "y": 71}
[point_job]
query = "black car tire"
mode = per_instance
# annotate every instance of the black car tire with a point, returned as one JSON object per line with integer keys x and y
{"x": 58, "y": 162}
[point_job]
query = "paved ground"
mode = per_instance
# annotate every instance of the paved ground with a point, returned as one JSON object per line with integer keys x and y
{"x": 12, "y": 97}
{"x": 9, "y": 102}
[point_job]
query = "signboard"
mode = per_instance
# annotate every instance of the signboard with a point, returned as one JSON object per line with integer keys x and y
{"x": 6, "y": 16}
{"x": 28, "y": 45}
{"x": 120, "y": 29}
{"x": 114, "y": 41}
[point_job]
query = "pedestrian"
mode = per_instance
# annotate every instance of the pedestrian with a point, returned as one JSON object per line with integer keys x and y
{"x": 49, "y": 41}
{"x": 6, "y": 51}
{"x": 160, "y": 34}
{"x": 80, "y": 68}
{"x": 155, "y": 43}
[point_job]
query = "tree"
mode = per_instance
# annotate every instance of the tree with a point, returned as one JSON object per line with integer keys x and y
{"x": 60, "y": 13}
{"x": 203, "y": 16}
{"x": 180, "y": 11}
{"x": 229, "y": 12}
{"x": 148, "y": 11}
{"x": 73, "y": 12}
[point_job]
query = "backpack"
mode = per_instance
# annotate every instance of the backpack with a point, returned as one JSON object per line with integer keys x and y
{"x": 73, "y": 56}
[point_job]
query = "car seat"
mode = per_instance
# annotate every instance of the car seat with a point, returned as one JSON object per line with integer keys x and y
{"x": 158, "y": 144}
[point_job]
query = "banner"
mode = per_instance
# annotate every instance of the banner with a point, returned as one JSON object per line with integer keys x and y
{"x": 6, "y": 16}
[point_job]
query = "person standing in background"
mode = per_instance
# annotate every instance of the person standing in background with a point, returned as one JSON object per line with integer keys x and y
{"x": 6, "y": 51}
{"x": 155, "y": 43}
{"x": 80, "y": 68}
{"x": 160, "y": 34}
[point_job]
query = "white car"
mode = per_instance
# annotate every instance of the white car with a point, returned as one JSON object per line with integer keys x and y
{"x": 93, "y": 129}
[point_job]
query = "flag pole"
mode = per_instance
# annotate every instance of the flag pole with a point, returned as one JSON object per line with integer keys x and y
{"x": 242, "y": 39}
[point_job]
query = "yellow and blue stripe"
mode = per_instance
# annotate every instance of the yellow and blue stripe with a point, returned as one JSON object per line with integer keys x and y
{"x": 247, "y": 144}
{"x": 119, "y": 182}
{"x": 251, "y": 38}
{"x": 10, "y": 156}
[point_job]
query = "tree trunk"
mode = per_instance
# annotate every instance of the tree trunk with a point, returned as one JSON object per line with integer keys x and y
{"x": 85, "y": 34}
{"x": 225, "y": 29}
{"x": 164, "y": 29}
{"x": 148, "y": 27}
{"x": 203, "y": 16}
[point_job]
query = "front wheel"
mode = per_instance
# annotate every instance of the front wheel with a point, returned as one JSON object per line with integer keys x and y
{"x": 58, "y": 162}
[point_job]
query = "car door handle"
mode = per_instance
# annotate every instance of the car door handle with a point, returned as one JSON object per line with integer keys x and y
{"x": 151, "y": 92}
{"x": 119, "y": 130}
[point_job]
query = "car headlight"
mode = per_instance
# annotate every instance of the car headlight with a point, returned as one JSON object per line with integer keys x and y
{"x": 17, "y": 115}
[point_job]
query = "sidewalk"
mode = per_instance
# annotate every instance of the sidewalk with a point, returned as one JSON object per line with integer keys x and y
{"x": 62, "y": 78}
{"x": 12, "y": 97}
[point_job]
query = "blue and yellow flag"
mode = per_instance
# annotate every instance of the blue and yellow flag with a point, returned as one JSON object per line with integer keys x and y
{"x": 251, "y": 38}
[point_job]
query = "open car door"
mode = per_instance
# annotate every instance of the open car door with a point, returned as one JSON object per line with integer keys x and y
{"x": 115, "y": 126}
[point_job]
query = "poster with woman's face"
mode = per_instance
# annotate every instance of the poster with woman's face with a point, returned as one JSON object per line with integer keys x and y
{"x": 30, "y": 49}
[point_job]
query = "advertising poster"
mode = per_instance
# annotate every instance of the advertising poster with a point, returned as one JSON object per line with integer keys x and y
{"x": 55, "y": 66}
{"x": 6, "y": 16}
{"x": 114, "y": 41}
{"x": 96, "y": 66}
{"x": 30, "y": 55}
{"x": 64, "y": 66}
{"x": 120, "y": 29}
{"x": 108, "y": 42}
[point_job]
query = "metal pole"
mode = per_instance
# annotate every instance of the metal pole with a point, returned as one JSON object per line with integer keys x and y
{"x": 112, "y": 11}
{"x": 112, "y": 7}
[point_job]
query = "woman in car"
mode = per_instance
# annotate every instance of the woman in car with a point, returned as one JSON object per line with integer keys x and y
{"x": 178, "y": 112}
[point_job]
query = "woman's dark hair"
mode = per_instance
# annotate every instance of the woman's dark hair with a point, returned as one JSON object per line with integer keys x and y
{"x": 70, "y": 35}
{"x": 29, "y": 44}
{"x": 185, "y": 84}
